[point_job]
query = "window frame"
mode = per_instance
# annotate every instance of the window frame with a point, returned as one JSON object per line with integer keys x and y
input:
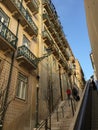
{"x": 28, "y": 43}
{"x": 6, "y": 17}
{"x": 22, "y": 94}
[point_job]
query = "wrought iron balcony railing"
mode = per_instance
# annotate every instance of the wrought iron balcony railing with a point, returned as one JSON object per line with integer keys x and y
{"x": 50, "y": 8}
{"x": 20, "y": 13}
{"x": 47, "y": 38}
{"x": 33, "y": 5}
{"x": 72, "y": 59}
{"x": 62, "y": 61}
{"x": 7, "y": 38}
{"x": 55, "y": 51}
{"x": 70, "y": 71}
{"x": 24, "y": 53}
{"x": 46, "y": 19}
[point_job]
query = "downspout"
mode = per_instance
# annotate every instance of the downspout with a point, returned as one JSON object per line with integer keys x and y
{"x": 39, "y": 53}
{"x": 9, "y": 81}
{"x": 60, "y": 83}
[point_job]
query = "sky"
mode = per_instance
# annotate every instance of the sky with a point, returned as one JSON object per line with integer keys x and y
{"x": 72, "y": 16}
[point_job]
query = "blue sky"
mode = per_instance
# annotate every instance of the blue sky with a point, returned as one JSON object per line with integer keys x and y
{"x": 72, "y": 16}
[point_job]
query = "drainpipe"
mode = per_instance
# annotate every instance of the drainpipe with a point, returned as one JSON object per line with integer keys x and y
{"x": 37, "y": 103}
{"x": 9, "y": 82}
{"x": 60, "y": 83}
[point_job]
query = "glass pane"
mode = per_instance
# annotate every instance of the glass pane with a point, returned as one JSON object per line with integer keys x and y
{"x": 4, "y": 18}
{"x": 24, "y": 92}
{"x": 26, "y": 42}
{"x": 21, "y": 86}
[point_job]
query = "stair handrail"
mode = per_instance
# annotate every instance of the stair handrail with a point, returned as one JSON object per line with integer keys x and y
{"x": 78, "y": 117}
{"x": 43, "y": 123}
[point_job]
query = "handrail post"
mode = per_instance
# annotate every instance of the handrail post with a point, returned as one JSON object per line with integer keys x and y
{"x": 57, "y": 115}
{"x": 72, "y": 107}
{"x": 50, "y": 122}
{"x": 62, "y": 111}
{"x": 46, "y": 124}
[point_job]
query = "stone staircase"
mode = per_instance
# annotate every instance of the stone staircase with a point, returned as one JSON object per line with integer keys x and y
{"x": 62, "y": 117}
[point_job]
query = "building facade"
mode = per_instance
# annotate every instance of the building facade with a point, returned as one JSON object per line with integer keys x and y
{"x": 92, "y": 23}
{"x": 36, "y": 62}
{"x": 79, "y": 75}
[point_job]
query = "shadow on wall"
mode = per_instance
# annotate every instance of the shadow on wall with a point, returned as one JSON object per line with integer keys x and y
{"x": 20, "y": 122}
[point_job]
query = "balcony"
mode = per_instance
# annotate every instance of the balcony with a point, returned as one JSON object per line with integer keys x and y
{"x": 53, "y": 33}
{"x": 65, "y": 65}
{"x": 72, "y": 59}
{"x": 46, "y": 19}
{"x": 65, "y": 43}
{"x": 70, "y": 72}
{"x": 33, "y": 5}
{"x": 64, "y": 51}
{"x": 47, "y": 38}
{"x": 8, "y": 40}
{"x": 55, "y": 51}
{"x": 57, "y": 39}
{"x": 66, "y": 55}
{"x": 26, "y": 58}
{"x": 58, "y": 25}
{"x": 63, "y": 62}
{"x": 48, "y": 5}
{"x": 61, "y": 46}
{"x": 21, "y": 14}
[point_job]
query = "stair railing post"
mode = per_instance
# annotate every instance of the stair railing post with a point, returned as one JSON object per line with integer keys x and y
{"x": 57, "y": 115}
{"x": 46, "y": 124}
{"x": 50, "y": 122}
{"x": 62, "y": 111}
{"x": 72, "y": 107}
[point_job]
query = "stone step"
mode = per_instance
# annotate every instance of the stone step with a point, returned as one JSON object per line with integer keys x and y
{"x": 26, "y": 128}
{"x": 64, "y": 117}
{"x": 54, "y": 128}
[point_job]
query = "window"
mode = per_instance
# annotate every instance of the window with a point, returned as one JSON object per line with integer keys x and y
{"x": 26, "y": 42}
{"x": 4, "y": 18}
{"x": 21, "y": 86}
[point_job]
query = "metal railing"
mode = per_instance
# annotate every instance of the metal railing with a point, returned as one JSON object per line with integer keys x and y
{"x": 46, "y": 16}
{"x": 52, "y": 7}
{"x": 26, "y": 15}
{"x": 35, "y": 3}
{"x": 8, "y": 35}
{"x": 24, "y": 51}
{"x": 46, "y": 124}
{"x": 47, "y": 35}
{"x": 80, "y": 113}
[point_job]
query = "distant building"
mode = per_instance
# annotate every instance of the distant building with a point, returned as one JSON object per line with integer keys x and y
{"x": 36, "y": 62}
{"x": 79, "y": 75}
{"x": 91, "y": 9}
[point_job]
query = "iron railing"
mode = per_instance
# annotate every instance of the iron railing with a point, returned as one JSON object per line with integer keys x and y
{"x": 25, "y": 14}
{"x": 47, "y": 36}
{"x": 51, "y": 6}
{"x": 46, "y": 124}
{"x": 24, "y": 51}
{"x": 35, "y": 3}
{"x": 80, "y": 115}
{"x": 8, "y": 35}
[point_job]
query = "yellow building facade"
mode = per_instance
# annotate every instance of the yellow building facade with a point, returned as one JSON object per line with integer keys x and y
{"x": 36, "y": 62}
{"x": 79, "y": 75}
{"x": 92, "y": 23}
